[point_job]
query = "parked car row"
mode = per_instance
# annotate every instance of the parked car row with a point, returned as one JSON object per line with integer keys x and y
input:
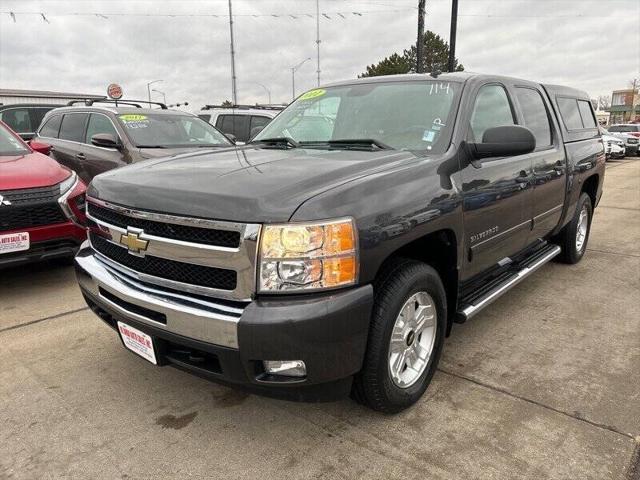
{"x": 629, "y": 133}
{"x": 42, "y": 185}
{"x": 614, "y": 147}
{"x": 96, "y": 138}
{"x": 87, "y": 138}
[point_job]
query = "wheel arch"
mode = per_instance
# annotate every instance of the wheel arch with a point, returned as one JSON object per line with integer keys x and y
{"x": 439, "y": 250}
{"x": 590, "y": 187}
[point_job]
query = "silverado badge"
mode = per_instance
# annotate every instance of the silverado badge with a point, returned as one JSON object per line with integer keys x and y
{"x": 133, "y": 242}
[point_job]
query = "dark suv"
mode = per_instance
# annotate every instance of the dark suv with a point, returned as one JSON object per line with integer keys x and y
{"x": 92, "y": 139}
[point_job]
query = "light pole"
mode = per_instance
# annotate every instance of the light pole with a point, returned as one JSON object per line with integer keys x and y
{"x": 164, "y": 97}
{"x": 294, "y": 69}
{"x": 266, "y": 89}
{"x": 149, "y": 88}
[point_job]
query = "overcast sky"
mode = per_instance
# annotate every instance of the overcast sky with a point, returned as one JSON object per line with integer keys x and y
{"x": 589, "y": 44}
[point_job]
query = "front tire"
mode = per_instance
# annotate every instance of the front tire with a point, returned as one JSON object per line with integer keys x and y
{"x": 574, "y": 237}
{"x": 406, "y": 336}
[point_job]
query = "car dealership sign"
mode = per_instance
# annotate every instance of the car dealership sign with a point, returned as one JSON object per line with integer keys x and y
{"x": 114, "y": 91}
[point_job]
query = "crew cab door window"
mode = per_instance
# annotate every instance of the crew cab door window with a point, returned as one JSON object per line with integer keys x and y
{"x": 99, "y": 124}
{"x": 570, "y": 113}
{"x": 535, "y": 115}
{"x": 491, "y": 109}
{"x": 51, "y": 128}
{"x": 588, "y": 120}
{"x": 72, "y": 127}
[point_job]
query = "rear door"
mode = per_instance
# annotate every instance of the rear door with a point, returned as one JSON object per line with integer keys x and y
{"x": 496, "y": 193}
{"x": 68, "y": 148}
{"x": 100, "y": 159}
{"x": 548, "y": 159}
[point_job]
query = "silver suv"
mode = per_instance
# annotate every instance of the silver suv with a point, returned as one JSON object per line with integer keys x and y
{"x": 241, "y": 121}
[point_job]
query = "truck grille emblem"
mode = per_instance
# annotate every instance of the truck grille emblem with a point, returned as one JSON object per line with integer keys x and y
{"x": 133, "y": 242}
{"x": 4, "y": 202}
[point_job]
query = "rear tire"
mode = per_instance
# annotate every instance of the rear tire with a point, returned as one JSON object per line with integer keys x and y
{"x": 575, "y": 235}
{"x": 410, "y": 304}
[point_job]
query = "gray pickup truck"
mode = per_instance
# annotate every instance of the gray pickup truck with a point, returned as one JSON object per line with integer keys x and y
{"x": 333, "y": 253}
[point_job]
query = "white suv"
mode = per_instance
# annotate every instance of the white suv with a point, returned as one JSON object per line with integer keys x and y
{"x": 241, "y": 121}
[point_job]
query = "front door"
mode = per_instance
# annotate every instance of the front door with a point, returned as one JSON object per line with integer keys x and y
{"x": 99, "y": 159}
{"x": 497, "y": 192}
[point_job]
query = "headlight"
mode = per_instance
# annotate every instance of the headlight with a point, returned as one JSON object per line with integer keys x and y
{"x": 65, "y": 185}
{"x": 311, "y": 256}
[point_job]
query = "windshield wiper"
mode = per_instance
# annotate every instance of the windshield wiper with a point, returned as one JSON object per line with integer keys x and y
{"x": 352, "y": 143}
{"x": 151, "y": 146}
{"x": 286, "y": 142}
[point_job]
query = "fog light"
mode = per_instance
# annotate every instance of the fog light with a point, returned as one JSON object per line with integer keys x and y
{"x": 287, "y": 368}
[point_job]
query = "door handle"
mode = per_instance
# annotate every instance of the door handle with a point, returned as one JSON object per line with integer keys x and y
{"x": 80, "y": 156}
{"x": 559, "y": 167}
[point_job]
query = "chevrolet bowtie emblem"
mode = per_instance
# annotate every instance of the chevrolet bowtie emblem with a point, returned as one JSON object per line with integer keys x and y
{"x": 133, "y": 242}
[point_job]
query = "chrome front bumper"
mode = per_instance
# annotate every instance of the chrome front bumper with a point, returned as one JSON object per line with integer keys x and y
{"x": 194, "y": 317}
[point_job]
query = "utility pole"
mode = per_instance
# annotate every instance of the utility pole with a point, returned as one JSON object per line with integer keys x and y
{"x": 420, "y": 42}
{"x": 234, "y": 91}
{"x": 318, "y": 38}
{"x": 452, "y": 35}
{"x": 634, "y": 98}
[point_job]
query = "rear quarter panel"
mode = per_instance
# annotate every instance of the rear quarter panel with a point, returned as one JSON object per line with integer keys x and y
{"x": 584, "y": 151}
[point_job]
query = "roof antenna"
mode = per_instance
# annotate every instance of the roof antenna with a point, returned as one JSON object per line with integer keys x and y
{"x": 435, "y": 73}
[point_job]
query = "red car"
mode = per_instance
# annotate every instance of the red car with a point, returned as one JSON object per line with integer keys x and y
{"x": 41, "y": 203}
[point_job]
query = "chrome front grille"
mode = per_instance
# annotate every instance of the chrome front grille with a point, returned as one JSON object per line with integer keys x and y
{"x": 177, "y": 251}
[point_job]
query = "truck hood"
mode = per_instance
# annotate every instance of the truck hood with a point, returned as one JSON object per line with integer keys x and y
{"x": 30, "y": 170}
{"x": 168, "y": 152}
{"x": 247, "y": 184}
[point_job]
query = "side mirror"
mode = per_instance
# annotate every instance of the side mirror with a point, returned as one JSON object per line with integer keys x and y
{"x": 504, "y": 141}
{"x": 231, "y": 137}
{"x": 40, "y": 147}
{"x": 105, "y": 140}
{"x": 255, "y": 131}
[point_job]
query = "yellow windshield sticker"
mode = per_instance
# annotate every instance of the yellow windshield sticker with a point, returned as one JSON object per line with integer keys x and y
{"x": 318, "y": 92}
{"x": 132, "y": 117}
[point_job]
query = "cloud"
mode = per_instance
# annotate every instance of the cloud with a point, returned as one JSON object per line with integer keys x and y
{"x": 585, "y": 44}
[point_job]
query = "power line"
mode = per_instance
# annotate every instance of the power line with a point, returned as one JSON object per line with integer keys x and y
{"x": 330, "y": 15}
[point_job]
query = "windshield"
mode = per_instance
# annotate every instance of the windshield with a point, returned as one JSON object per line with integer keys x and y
{"x": 9, "y": 144}
{"x": 401, "y": 115}
{"x": 170, "y": 131}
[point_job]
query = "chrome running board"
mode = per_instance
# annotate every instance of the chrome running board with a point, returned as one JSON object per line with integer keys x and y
{"x": 526, "y": 268}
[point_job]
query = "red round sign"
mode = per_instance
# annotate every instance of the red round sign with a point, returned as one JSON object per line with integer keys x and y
{"x": 114, "y": 91}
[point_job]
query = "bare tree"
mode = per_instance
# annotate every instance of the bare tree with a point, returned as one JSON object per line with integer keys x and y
{"x": 603, "y": 102}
